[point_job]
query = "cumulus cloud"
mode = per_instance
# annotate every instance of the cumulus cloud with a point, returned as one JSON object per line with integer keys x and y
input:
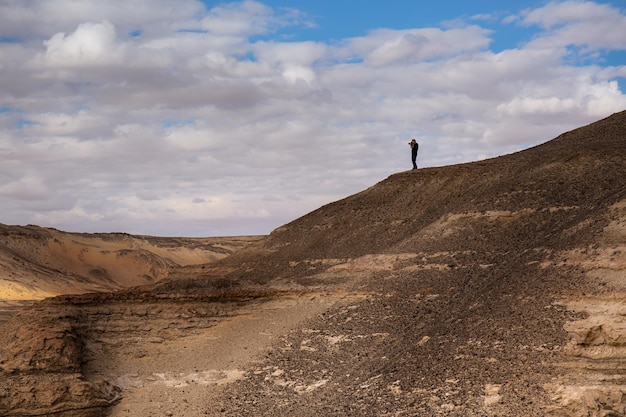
{"x": 168, "y": 117}
{"x": 91, "y": 44}
{"x": 578, "y": 23}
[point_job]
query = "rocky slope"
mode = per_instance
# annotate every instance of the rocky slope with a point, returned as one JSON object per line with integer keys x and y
{"x": 495, "y": 288}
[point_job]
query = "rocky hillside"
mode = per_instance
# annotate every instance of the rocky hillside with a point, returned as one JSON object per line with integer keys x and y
{"x": 495, "y": 288}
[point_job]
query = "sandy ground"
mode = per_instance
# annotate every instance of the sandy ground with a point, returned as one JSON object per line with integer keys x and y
{"x": 178, "y": 378}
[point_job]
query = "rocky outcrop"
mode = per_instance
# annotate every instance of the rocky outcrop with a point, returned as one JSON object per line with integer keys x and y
{"x": 46, "y": 353}
{"x": 41, "y": 365}
{"x": 594, "y": 360}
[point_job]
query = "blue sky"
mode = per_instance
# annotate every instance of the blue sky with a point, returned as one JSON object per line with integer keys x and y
{"x": 188, "y": 118}
{"x": 337, "y": 20}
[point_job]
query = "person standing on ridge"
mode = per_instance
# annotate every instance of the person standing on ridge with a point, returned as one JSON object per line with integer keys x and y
{"x": 414, "y": 146}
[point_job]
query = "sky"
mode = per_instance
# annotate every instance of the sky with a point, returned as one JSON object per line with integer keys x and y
{"x": 225, "y": 118}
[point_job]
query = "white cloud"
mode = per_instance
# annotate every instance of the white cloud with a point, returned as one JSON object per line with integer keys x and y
{"x": 385, "y": 46}
{"x": 304, "y": 53}
{"x": 295, "y": 73}
{"x": 63, "y": 124}
{"x": 34, "y": 19}
{"x": 240, "y": 19}
{"x": 92, "y": 44}
{"x": 569, "y": 12}
{"x": 581, "y": 23}
{"x": 29, "y": 187}
{"x": 163, "y": 117}
{"x": 594, "y": 99}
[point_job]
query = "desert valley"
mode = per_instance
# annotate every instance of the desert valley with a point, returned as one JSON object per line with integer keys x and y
{"x": 36, "y": 263}
{"x": 492, "y": 288}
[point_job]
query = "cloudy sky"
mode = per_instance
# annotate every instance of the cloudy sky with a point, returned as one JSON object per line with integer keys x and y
{"x": 189, "y": 118}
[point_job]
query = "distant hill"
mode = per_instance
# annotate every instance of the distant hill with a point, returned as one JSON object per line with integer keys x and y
{"x": 38, "y": 262}
{"x": 493, "y": 288}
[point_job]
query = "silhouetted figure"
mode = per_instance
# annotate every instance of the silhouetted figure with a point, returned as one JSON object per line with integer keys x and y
{"x": 414, "y": 146}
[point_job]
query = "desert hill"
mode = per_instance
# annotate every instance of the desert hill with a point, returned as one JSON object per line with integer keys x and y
{"x": 37, "y": 262}
{"x": 494, "y": 288}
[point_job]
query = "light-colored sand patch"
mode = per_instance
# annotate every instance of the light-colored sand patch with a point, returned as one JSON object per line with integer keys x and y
{"x": 203, "y": 378}
{"x": 180, "y": 380}
{"x": 492, "y": 394}
{"x": 12, "y": 290}
{"x": 577, "y": 400}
